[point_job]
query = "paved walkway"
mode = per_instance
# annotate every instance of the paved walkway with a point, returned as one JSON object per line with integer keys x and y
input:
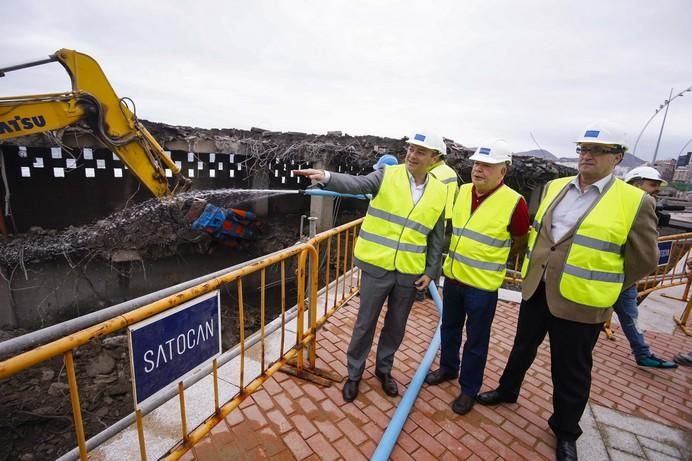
{"x": 634, "y": 413}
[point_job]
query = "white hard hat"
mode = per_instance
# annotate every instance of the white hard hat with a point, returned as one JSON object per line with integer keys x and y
{"x": 603, "y": 133}
{"x": 496, "y": 151}
{"x": 429, "y": 141}
{"x": 645, "y": 172}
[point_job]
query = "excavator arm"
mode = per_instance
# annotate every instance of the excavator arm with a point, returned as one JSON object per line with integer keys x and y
{"x": 93, "y": 101}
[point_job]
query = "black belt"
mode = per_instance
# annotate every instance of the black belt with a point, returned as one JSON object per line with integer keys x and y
{"x": 456, "y": 283}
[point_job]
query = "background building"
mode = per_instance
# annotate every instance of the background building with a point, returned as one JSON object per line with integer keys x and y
{"x": 683, "y": 174}
{"x": 684, "y": 159}
{"x": 666, "y": 168}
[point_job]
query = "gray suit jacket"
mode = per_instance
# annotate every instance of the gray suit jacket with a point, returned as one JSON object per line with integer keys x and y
{"x": 548, "y": 256}
{"x": 370, "y": 184}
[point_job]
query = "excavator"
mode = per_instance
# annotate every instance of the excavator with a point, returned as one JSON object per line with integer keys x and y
{"x": 93, "y": 102}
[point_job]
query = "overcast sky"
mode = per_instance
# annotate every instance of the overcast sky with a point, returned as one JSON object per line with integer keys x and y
{"x": 470, "y": 70}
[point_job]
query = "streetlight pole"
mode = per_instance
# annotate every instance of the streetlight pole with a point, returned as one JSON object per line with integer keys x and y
{"x": 660, "y": 132}
{"x": 665, "y": 104}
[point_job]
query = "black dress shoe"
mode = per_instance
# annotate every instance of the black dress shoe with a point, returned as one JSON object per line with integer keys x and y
{"x": 388, "y": 384}
{"x": 493, "y": 398}
{"x": 350, "y": 390}
{"x": 463, "y": 404}
{"x": 438, "y": 376}
{"x": 566, "y": 450}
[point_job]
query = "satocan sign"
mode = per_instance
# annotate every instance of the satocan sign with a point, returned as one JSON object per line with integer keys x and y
{"x": 169, "y": 346}
{"x": 664, "y": 252}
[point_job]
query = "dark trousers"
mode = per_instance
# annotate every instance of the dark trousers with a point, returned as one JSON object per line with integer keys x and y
{"x": 374, "y": 291}
{"x": 571, "y": 345}
{"x": 476, "y": 308}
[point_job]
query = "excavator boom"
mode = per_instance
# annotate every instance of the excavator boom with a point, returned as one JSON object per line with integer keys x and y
{"x": 93, "y": 101}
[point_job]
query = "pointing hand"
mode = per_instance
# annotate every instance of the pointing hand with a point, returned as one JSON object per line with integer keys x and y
{"x": 315, "y": 175}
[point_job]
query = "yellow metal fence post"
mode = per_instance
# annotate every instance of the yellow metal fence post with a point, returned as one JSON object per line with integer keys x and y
{"x": 183, "y": 419}
{"x": 140, "y": 435}
{"x": 76, "y": 408}
{"x": 241, "y": 321}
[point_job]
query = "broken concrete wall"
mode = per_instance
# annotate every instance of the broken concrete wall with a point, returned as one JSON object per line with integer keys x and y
{"x": 62, "y": 289}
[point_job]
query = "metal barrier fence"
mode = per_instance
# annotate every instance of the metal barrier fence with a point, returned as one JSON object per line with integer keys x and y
{"x": 332, "y": 249}
{"x": 673, "y": 270}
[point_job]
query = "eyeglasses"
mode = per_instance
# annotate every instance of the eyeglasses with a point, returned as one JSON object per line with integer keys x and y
{"x": 597, "y": 150}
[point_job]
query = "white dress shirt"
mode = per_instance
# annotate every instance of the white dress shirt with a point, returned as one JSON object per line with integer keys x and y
{"x": 574, "y": 205}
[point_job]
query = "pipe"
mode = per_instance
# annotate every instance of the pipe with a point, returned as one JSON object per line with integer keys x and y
{"x": 391, "y": 434}
{"x": 331, "y": 193}
{"x": 14, "y": 345}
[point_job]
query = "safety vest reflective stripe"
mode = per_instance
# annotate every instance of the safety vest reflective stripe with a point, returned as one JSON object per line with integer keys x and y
{"x": 392, "y": 243}
{"x": 477, "y": 264}
{"x": 399, "y": 220}
{"x": 448, "y": 181}
{"x": 536, "y": 226}
{"x": 594, "y": 275}
{"x": 478, "y": 237}
{"x": 597, "y": 244}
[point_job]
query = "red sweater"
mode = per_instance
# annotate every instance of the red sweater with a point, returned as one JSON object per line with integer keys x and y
{"x": 519, "y": 225}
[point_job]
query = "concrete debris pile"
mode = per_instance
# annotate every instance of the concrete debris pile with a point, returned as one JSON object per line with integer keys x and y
{"x": 153, "y": 228}
{"x": 529, "y": 173}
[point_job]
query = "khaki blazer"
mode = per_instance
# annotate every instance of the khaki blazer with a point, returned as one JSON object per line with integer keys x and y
{"x": 548, "y": 257}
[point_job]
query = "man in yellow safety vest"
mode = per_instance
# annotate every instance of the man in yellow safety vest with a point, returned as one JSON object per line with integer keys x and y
{"x": 399, "y": 250}
{"x": 592, "y": 235}
{"x": 490, "y": 222}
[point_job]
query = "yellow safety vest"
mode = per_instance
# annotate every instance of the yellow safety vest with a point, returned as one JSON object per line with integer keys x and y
{"x": 447, "y": 176}
{"x": 481, "y": 240}
{"x": 595, "y": 267}
{"x": 394, "y": 234}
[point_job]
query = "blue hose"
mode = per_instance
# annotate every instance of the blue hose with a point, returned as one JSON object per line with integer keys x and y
{"x": 391, "y": 434}
{"x": 331, "y": 193}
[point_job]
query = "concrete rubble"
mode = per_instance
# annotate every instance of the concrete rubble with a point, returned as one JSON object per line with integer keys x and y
{"x": 157, "y": 227}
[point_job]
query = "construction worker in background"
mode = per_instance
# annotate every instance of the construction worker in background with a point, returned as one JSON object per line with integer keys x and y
{"x": 399, "y": 250}
{"x": 650, "y": 181}
{"x": 384, "y": 161}
{"x": 490, "y": 223}
{"x": 447, "y": 176}
{"x": 592, "y": 235}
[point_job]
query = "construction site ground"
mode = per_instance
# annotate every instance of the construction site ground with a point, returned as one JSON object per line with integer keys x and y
{"x": 633, "y": 412}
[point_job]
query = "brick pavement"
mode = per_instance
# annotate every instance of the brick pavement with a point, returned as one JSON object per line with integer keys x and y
{"x": 292, "y": 419}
